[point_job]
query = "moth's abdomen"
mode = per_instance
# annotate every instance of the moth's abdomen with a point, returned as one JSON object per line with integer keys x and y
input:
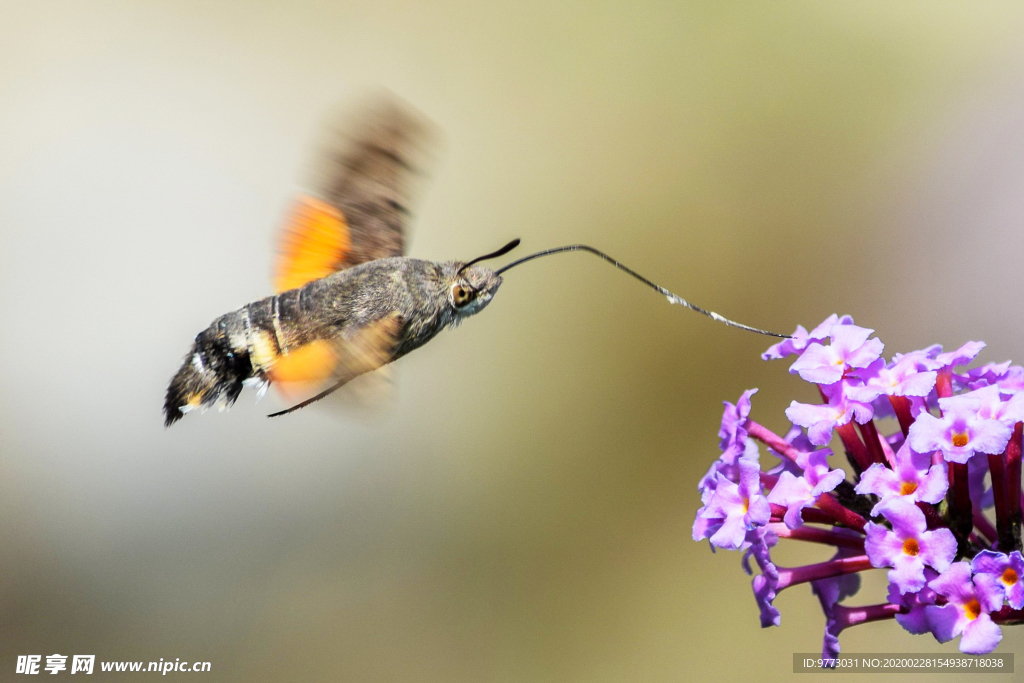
{"x": 238, "y": 346}
{"x": 211, "y": 374}
{"x": 286, "y": 338}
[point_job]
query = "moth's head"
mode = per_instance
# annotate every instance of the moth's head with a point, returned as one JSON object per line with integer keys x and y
{"x": 471, "y": 289}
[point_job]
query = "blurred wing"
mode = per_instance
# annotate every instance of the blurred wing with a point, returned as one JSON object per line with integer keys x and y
{"x": 336, "y": 362}
{"x": 366, "y": 180}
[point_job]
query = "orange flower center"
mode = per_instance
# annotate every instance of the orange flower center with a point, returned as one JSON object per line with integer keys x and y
{"x": 910, "y": 547}
{"x": 972, "y": 609}
{"x": 746, "y": 505}
{"x": 1010, "y": 577}
{"x": 960, "y": 439}
{"x": 907, "y": 487}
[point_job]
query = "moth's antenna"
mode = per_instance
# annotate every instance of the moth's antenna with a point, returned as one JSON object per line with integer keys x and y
{"x": 494, "y": 254}
{"x": 672, "y": 298}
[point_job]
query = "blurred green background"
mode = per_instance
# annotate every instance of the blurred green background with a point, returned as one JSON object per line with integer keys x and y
{"x": 523, "y": 511}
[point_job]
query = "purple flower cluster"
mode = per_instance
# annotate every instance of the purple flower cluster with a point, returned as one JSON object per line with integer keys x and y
{"x": 922, "y": 439}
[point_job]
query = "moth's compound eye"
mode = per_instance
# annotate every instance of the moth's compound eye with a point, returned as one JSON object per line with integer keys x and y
{"x": 462, "y": 295}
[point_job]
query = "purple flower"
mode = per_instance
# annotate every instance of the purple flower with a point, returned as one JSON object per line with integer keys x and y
{"x": 992, "y": 406}
{"x": 914, "y": 619}
{"x": 734, "y": 442}
{"x": 773, "y": 580}
{"x": 764, "y": 586}
{"x": 705, "y": 525}
{"x": 834, "y": 625}
{"x": 733, "y": 431}
{"x": 796, "y": 438}
{"x": 924, "y": 359}
{"x": 899, "y": 378}
{"x": 983, "y": 376}
{"x": 796, "y": 493}
{"x": 966, "y": 612}
{"x": 909, "y": 546}
{"x": 1013, "y": 380}
{"x": 758, "y": 547}
{"x": 932, "y": 358}
{"x": 732, "y": 509}
{"x": 1002, "y": 572}
{"x": 801, "y": 338}
{"x": 943, "y": 415}
{"x": 761, "y": 541}
{"x": 962, "y": 356}
{"x": 914, "y": 479}
{"x": 850, "y": 348}
{"x": 832, "y": 590}
{"x": 960, "y": 432}
{"x": 726, "y": 466}
{"x": 1009, "y": 378}
{"x": 838, "y": 617}
{"x": 829, "y": 592}
{"x": 819, "y": 420}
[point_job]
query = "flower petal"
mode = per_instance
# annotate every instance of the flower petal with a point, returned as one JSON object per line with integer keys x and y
{"x": 938, "y": 548}
{"x": 945, "y": 622}
{"x": 980, "y": 636}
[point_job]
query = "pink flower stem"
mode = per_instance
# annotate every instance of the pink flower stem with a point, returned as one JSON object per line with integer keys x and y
{"x": 822, "y": 570}
{"x": 901, "y": 406}
{"x": 1004, "y": 529}
{"x": 855, "y": 447}
{"x": 873, "y": 441}
{"x": 1008, "y": 615}
{"x": 851, "y": 616}
{"x": 816, "y": 535}
{"x": 1013, "y": 492}
{"x": 772, "y": 440}
{"x": 890, "y": 456}
{"x": 944, "y": 382}
{"x": 961, "y": 518}
{"x": 842, "y": 514}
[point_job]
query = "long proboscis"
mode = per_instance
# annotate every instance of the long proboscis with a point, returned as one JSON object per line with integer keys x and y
{"x": 672, "y": 298}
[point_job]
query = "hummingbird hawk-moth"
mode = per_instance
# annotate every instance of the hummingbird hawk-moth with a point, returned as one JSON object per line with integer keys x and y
{"x": 348, "y": 299}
